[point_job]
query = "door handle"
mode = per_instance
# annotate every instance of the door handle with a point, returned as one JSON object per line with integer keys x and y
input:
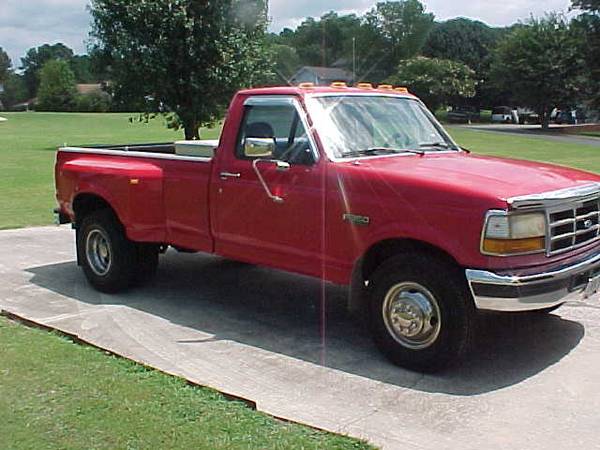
{"x": 225, "y": 175}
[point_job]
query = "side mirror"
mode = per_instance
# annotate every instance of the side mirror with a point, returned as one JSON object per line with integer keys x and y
{"x": 259, "y": 147}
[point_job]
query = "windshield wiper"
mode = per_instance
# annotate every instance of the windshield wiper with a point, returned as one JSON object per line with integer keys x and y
{"x": 434, "y": 145}
{"x": 376, "y": 150}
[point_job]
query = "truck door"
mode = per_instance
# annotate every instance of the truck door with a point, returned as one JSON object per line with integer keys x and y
{"x": 269, "y": 197}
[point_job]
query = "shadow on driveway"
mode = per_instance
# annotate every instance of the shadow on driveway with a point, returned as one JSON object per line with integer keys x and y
{"x": 281, "y": 312}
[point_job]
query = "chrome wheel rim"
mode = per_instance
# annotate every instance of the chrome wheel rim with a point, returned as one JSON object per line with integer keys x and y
{"x": 98, "y": 252}
{"x": 412, "y": 315}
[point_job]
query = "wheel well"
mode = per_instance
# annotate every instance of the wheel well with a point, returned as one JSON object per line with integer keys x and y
{"x": 85, "y": 204}
{"x": 375, "y": 256}
{"x": 383, "y": 250}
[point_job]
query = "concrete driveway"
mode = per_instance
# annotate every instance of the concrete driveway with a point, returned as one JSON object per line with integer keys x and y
{"x": 285, "y": 342}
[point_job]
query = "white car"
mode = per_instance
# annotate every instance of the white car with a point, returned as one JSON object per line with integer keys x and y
{"x": 504, "y": 114}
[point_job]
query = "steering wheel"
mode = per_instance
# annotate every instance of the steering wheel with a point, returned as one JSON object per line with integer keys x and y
{"x": 401, "y": 140}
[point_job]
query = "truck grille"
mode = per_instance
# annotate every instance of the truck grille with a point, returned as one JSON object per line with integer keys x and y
{"x": 574, "y": 225}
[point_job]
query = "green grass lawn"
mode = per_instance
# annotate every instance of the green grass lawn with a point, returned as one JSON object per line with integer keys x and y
{"x": 55, "y": 394}
{"x": 586, "y": 157}
{"x": 591, "y": 133}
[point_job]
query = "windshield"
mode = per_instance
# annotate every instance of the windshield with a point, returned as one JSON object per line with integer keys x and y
{"x": 351, "y": 126}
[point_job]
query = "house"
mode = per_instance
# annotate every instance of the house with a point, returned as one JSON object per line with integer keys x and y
{"x": 91, "y": 88}
{"x": 323, "y": 76}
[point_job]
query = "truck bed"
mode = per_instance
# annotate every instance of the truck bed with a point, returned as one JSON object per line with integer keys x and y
{"x": 158, "y": 195}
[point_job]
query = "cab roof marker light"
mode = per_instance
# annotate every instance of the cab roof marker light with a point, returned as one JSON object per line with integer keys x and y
{"x": 339, "y": 84}
{"x": 364, "y": 86}
{"x": 306, "y": 85}
{"x": 385, "y": 87}
{"x": 401, "y": 90}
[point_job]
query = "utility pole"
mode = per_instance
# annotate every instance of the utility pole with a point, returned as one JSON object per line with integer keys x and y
{"x": 323, "y": 56}
{"x": 353, "y": 60}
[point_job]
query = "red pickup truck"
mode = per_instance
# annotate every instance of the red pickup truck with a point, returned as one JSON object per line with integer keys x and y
{"x": 356, "y": 186}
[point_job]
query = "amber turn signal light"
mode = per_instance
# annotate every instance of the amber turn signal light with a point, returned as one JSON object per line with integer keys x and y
{"x": 338, "y": 84}
{"x": 512, "y": 246}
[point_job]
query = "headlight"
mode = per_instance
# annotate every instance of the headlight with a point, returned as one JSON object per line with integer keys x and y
{"x": 513, "y": 234}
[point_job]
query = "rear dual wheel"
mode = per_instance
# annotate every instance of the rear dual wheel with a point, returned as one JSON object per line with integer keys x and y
{"x": 421, "y": 314}
{"x": 110, "y": 261}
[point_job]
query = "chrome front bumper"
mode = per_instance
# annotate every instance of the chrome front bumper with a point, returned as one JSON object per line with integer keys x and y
{"x": 495, "y": 292}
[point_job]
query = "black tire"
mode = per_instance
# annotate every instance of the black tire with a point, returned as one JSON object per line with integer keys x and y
{"x": 117, "y": 271}
{"x": 451, "y": 323}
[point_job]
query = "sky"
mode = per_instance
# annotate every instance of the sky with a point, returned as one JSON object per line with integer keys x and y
{"x": 30, "y": 23}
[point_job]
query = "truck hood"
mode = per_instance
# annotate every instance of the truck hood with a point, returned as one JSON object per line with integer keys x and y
{"x": 499, "y": 178}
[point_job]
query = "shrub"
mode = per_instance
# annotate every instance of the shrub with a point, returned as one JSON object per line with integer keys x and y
{"x": 57, "y": 87}
{"x": 94, "y": 102}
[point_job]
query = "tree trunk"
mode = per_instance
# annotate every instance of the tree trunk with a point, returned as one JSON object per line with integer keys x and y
{"x": 545, "y": 121}
{"x": 191, "y": 130}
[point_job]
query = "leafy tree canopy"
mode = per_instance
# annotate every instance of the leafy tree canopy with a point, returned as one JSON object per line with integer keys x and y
{"x": 540, "y": 64}
{"x": 464, "y": 40}
{"x": 57, "y": 87}
{"x": 588, "y": 27}
{"x": 15, "y": 90}
{"x": 437, "y": 82}
{"x": 588, "y": 5}
{"x": 392, "y": 31}
{"x": 285, "y": 63}
{"x": 470, "y": 42}
{"x": 5, "y": 65}
{"x": 326, "y": 41}
{"x": 183, "y": 55}
{"x": 35, "y": 59}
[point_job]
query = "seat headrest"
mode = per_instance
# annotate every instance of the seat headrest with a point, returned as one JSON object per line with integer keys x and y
{"x": 259, "y": 130}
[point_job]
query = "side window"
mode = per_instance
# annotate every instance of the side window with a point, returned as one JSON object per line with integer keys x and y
{"x": 280, "y": 123}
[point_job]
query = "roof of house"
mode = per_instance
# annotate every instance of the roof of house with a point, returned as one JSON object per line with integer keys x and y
{"x": 90, "y": 88}
{"x": 328, "y": 73}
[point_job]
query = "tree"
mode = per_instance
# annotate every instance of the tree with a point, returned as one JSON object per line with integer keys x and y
{"x": 82, "y": 68}
{"x": 437, "y": 82}
{"x": 34, "y": 60}
{"x": 588, "y": 25}
{"x": 392, "y": 31}
{"x": 15, "y": 90}
{"x": 285, "y": 61}
{"x": 589, "y": 5}
{"x": 184, "y": 56}
{"x": 57, "y": 87}
{"x": 324, "y": 42}
{"x": 540, "y": 65}
{"x": 470, "y": 42}
{"x": 467, "y": 41}
{"x": 5, "y": 65}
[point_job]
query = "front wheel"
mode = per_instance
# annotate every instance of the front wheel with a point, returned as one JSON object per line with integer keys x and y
{"x": 421, "y": 315}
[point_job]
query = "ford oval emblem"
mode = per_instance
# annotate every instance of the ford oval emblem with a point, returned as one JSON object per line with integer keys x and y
{"x": 588, "y": 224}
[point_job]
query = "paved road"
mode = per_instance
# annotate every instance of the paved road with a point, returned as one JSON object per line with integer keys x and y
{"x": 534, "y": 131}
{"x": 531, "y": 383}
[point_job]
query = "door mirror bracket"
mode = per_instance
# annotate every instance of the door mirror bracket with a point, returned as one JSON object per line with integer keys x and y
{"x": 281, "y": 166}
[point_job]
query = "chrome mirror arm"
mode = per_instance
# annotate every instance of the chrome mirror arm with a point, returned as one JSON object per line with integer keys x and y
{"x": 281, "y": 166}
